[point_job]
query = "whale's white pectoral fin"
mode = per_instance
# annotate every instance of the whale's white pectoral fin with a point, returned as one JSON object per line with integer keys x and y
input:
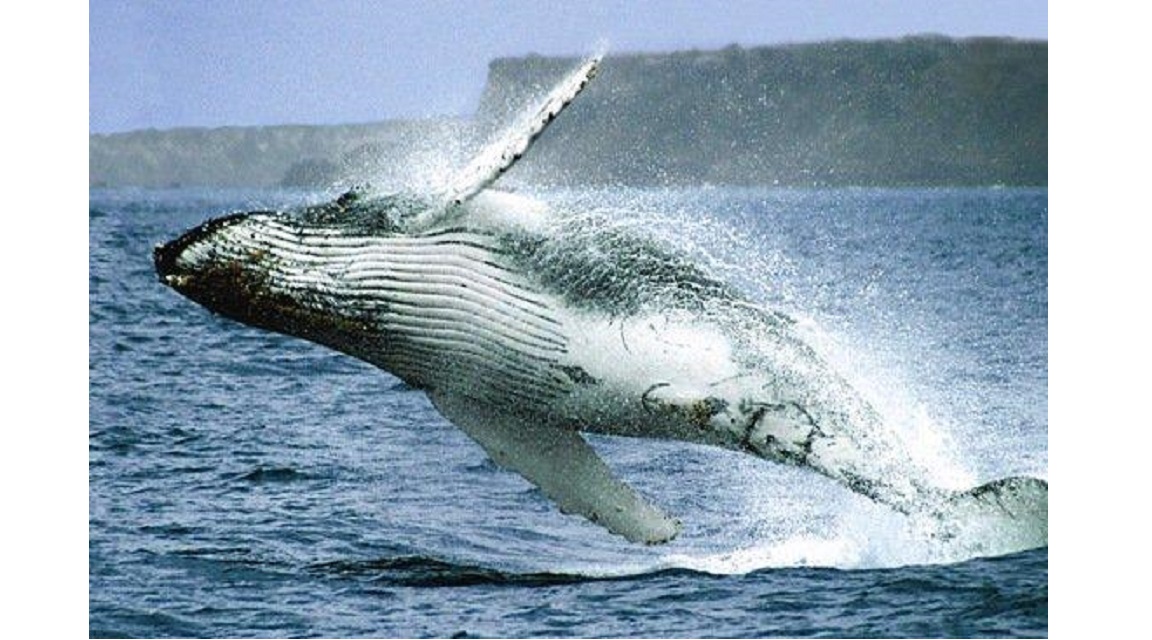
{"x": 506, "y": 149}
{"x": 566, "y": 468}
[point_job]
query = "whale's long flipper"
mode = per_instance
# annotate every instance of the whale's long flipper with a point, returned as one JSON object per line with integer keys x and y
{"x": 565, "y": 468}
{"x": 499, "y": 156}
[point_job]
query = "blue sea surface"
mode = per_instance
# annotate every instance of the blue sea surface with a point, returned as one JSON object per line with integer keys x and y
{"x": 247, "y": 484}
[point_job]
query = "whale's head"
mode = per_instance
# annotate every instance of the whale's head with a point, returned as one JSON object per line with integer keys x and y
{"x": 270, "y": 270}
{"x": 427, "y": 305}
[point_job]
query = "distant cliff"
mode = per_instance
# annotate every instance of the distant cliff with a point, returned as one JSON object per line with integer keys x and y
{"x": 914, "y": 111}
{"x": 922, "y": 111}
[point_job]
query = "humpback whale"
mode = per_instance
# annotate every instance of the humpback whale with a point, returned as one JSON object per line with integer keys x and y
{"x": 526, "y": 331}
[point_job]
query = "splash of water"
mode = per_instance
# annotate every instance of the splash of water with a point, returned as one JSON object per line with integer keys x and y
{"x": 862, "y": 534}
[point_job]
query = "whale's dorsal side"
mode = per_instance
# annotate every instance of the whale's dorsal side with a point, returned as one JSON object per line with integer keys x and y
{"x": 562, "y": 465}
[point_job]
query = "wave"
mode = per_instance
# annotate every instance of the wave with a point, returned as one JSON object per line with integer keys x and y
{"x": 261, "y": 475}
{"x": 428, "y": 571}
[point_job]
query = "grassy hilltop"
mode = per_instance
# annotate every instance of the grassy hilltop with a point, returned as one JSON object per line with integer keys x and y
{"x": 914, "y": 111}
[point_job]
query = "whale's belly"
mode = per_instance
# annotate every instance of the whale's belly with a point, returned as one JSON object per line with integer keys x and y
{"x": 650, "y": 375}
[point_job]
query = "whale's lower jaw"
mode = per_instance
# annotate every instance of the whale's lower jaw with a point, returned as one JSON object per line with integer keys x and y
{"x": 439, "y": 310}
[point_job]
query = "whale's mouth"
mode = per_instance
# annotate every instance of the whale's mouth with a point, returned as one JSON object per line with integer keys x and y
{"x": 168, "y": 258}
{"x": 164, "y": 258}
{"x": 207, "y": 266}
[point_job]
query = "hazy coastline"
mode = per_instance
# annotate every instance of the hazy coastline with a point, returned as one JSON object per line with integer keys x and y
{"x": 918, "y": 111}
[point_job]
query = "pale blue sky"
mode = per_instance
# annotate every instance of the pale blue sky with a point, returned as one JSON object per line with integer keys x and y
{"x": 212, "y": 62}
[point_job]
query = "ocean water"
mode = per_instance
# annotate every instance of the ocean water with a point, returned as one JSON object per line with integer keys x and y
{"x": 247, "y": 484}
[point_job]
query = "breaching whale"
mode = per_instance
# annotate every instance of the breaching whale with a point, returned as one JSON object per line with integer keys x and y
{"x": 525, "y": 333}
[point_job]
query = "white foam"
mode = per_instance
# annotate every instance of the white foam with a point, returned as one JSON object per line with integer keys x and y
{"x": 800, "y": 551}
